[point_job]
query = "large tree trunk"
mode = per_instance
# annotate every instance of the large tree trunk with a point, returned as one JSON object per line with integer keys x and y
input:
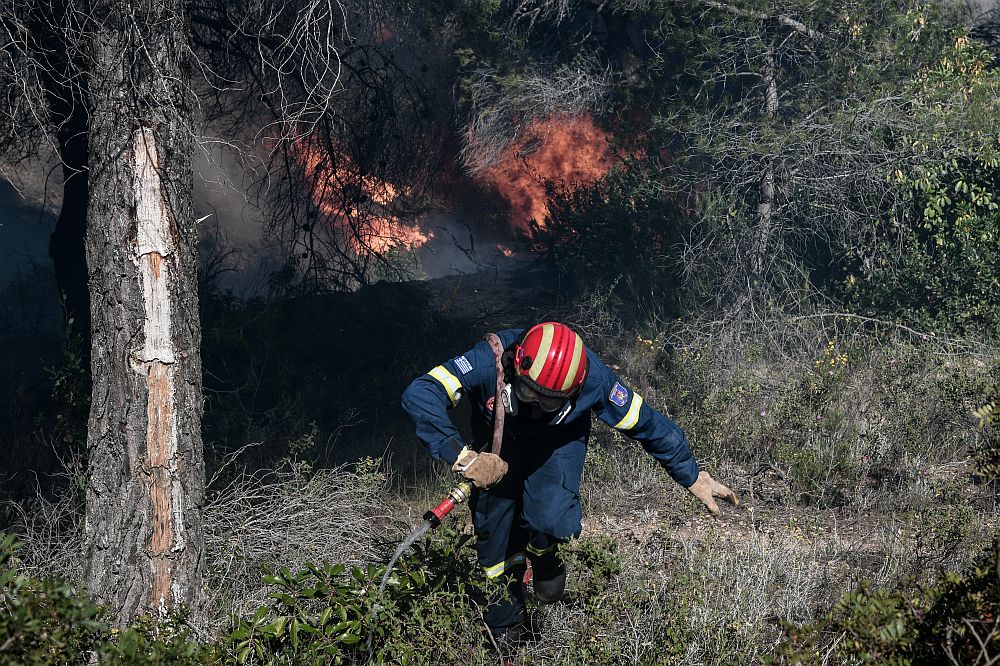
{"x": 145, "y": 487}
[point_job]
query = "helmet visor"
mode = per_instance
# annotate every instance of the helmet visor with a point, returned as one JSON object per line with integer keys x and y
{"x": 529, "y": 395}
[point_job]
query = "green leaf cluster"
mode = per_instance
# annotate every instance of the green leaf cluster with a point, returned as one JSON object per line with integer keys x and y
{"x": 42, "y": 622}
{"x": 945, "y": 271}
{"x": 327, "y": 613}
{"x": 49, "y": 622}
{"x": 953, "y": 620}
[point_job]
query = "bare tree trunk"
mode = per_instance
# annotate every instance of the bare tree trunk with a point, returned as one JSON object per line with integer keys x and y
{"x": 765, "y": 200}
{"x": 66, "y": 98}
{"x": 146, "y": 477}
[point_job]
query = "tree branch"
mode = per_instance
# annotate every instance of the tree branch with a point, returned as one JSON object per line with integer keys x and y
{"x": 783, "y": 19}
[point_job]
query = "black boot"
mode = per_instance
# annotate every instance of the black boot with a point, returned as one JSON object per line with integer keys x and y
{"x": 548, "y": 577}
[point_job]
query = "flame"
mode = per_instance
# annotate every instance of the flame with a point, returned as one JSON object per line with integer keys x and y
{"x": 504, "y": 250}
{"x": 565, "y": 150}
{"x": 357, "y": 205}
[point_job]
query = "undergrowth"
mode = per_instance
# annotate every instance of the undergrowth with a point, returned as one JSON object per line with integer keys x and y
{"x": 862, "y": 453}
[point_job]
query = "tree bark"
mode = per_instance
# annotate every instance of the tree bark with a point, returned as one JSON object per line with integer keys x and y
{"x": 765, "y": 198}
{"x": 145, "y": 487}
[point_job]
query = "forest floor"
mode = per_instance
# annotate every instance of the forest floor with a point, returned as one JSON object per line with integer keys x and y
{"x": 853, "y": 453}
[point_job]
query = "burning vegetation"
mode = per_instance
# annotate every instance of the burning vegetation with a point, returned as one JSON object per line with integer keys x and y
{"x": 367, "y": 215}
{"x": 558, "y": 151}
{"x": 357, "y": 206}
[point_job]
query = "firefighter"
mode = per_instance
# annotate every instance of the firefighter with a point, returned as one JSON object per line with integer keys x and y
{"x": 527, "y": 500}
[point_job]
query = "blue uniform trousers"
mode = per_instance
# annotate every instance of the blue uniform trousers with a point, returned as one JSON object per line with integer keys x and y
{"x": 527, "y": 514}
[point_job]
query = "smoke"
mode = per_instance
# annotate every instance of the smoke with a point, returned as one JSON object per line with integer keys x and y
{"x": 30, "y": 311}
{"x": 235, "y": 255}
{"x": 461, "y": 246}
{"x": 25, "y": 225}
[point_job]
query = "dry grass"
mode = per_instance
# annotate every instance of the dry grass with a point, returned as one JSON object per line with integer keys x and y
{"x": 257, "y": 522}
{"x": 51, "y": 531}
{"x": 267, "y": 520}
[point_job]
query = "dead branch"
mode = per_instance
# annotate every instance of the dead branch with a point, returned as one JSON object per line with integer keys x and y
{"x": 783, "y": 19}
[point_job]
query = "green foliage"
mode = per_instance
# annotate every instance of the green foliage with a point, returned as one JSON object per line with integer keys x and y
{"x": 49, "y": 622}
{"x": 598, "y": 556}
{"x": 167, "y": 641}
{"x": 609, "y": 594}
{"x": 987, "y": 457}
{"x": 622, "y": 229}
{"x": 953, "y": 620}
{"x": 42, "y": 622}
{"x": 323, "y": 614}
{"x": 987, "y": 412}
{"x": 943, "y": 269}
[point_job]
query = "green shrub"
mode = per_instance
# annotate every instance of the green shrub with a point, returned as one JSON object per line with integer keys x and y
{"x": 43, "y": 621}
{"x": 324, "y": 614}
{"x": 987, "y": 456}
{"x": 941, "y": 263}
{"x": 157, "y": 641}
{"x": 48, "y": 622}
{"x": 954, "y": 620}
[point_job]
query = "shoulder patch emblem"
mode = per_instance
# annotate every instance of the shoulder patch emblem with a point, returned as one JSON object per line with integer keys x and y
{"x": 463, "y": 365}
{"x": 619, "y": 395}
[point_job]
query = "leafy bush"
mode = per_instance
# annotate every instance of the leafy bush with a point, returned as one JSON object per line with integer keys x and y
{"x": 157, "y": 641}
{"x": 47, "y": 621}
{"x": 988, "y": 455}
{"x": 324, "y": 614}
{"x": 941, "y": 263}
{"x": 954, "y": 620}
{"x": 43, "y": 621}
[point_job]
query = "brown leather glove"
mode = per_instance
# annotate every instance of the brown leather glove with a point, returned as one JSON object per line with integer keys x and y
{"x": 706, "y": 489}
{"x": 483, "y": 469}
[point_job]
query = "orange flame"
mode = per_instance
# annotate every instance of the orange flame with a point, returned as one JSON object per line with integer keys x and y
{"x": 565, "y": 150}
{"x": 359, "y": 206}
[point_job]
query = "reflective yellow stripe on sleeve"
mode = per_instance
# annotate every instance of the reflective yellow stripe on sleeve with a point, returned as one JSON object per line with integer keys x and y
{"x": 450, "y": 382}
{"x": 632, "y": 417}
{"x": 501, "y": 567}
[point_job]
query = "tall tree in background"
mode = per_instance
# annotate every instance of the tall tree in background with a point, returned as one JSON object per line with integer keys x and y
{"x": 145, "y": 486}
{"x": 43, "y": 74}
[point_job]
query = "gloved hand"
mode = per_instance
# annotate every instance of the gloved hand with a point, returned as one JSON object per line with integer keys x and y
{"x": 483, "y": 469}
{"x": 705, "y": 488}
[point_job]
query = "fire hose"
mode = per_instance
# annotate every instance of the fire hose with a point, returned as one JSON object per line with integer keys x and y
{"x": 456, "y": 496}
{"x": 463, "y": 490}
{"x": 459, "y": 493}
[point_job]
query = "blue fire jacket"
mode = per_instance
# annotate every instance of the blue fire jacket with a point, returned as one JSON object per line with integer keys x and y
{"x": 429, "y": 397}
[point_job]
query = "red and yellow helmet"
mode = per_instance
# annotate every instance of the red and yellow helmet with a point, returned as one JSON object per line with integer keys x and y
{"x": 550, "y": 361}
